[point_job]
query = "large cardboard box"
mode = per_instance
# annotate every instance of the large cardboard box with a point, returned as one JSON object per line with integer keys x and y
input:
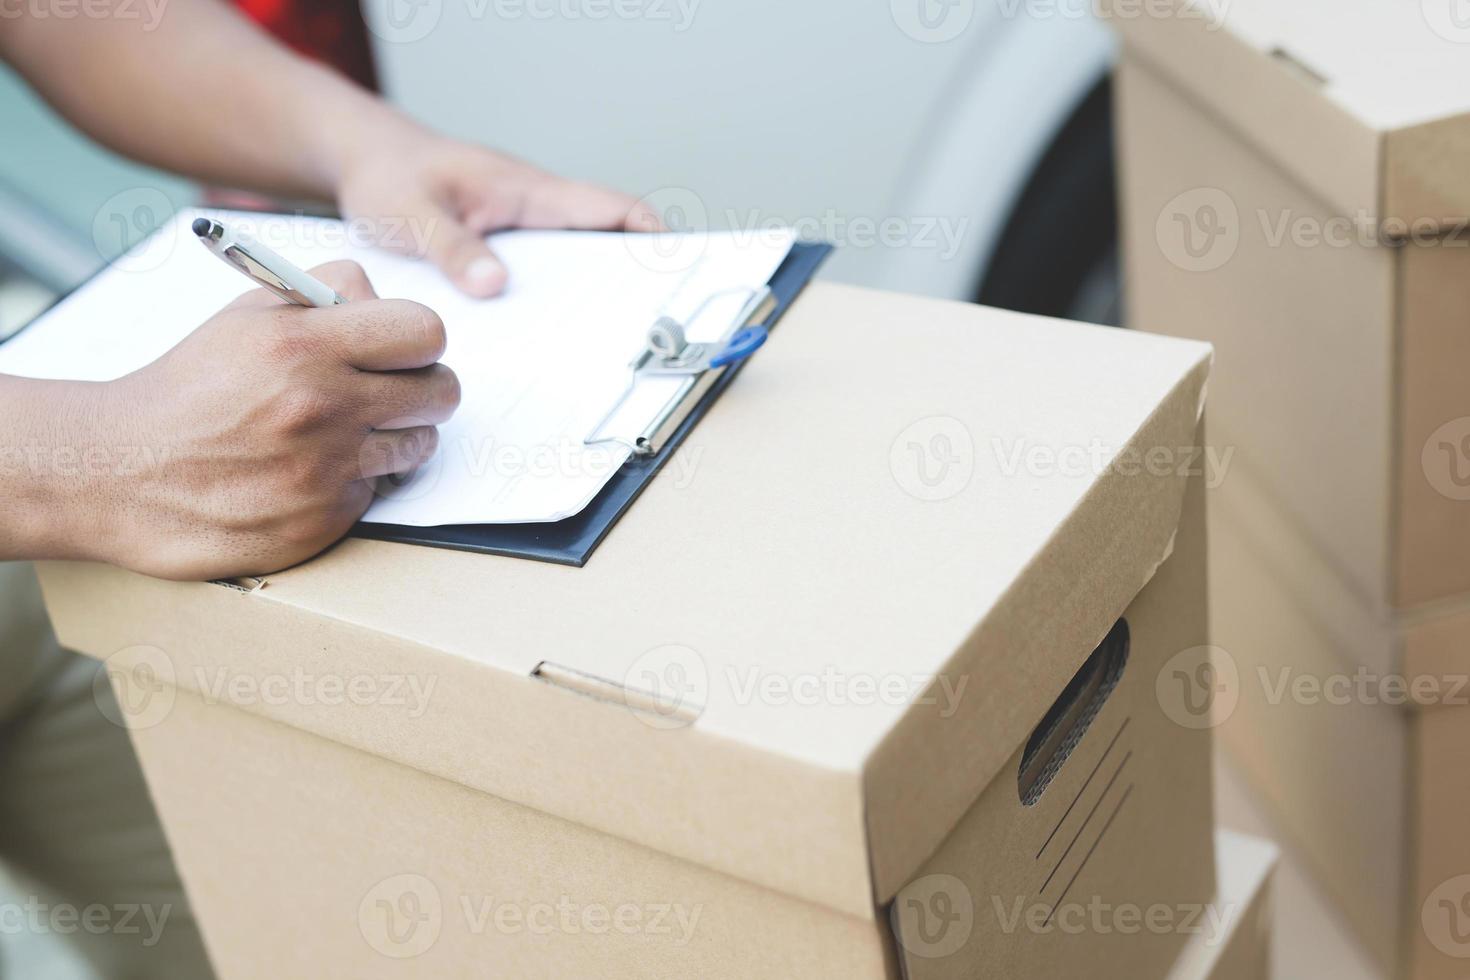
{"x": 1294, "y": 191}
{"x": 863, "y": 686}
{"x": 1235, "y": 942}
{"x": 1355, "y": 731}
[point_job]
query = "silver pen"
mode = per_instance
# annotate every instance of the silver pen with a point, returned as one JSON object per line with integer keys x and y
{"x": 264, "y": 266}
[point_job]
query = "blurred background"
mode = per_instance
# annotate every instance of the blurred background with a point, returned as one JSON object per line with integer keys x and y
{"x": 956, "y": 148}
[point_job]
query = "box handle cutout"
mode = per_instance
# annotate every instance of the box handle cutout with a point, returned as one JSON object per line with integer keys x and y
{"x": 1069, "y": 717}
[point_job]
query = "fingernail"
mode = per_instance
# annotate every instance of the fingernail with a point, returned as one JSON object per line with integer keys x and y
{"x": 483, "y": 273}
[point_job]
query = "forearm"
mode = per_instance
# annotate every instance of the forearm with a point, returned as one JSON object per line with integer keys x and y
{"x": 191, "y": 86}
{"x": 51, "y": 454}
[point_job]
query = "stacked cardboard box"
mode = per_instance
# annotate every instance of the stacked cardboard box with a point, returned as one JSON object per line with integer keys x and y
{"x": 1295, "y": 188}
{"x": 875, "y": 694}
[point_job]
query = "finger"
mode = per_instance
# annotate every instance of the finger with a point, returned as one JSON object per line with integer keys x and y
{"x": 379, "y": 334}
{"x": 461, "y": 253}
{"x": 557, "y": 203}
{"x": 347, "y": 277}
{"x": 643, "y": 217}
{"x": 391, "y": 452}
{"x": 405, "y": 399}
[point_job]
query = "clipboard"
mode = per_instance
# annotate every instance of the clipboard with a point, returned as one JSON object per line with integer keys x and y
{"x": 573, "y": 540}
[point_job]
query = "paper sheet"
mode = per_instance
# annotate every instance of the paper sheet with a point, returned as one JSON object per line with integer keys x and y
{"x": 539, "y": 365}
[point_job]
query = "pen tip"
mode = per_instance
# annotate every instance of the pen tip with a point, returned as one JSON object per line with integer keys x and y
{"x": 202, "y": 227}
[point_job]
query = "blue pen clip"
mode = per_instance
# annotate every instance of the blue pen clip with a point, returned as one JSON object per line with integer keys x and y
{"x": 668, "y": 352}
{"x": 742, "y": 345}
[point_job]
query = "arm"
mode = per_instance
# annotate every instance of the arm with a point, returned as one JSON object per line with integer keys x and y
{"x": 201, "y": 91}
{"x": 192, "y": 86}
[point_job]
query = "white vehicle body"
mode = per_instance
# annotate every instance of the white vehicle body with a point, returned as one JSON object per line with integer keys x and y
{"x": 903, "y": 130}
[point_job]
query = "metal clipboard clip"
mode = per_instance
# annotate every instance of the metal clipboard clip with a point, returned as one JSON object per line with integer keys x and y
{"x": 669, "y": 353}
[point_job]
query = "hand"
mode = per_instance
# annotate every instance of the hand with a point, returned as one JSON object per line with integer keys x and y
{"x": 439, "y": 198}
{"x": 270, "y": 423}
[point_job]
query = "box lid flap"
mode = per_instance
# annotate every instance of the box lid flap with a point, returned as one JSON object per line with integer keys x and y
{"x": 836, "y": 613}
{"x": 1369, "y": 104}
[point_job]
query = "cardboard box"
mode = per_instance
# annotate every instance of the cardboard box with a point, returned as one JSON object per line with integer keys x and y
{"x": 863, "y": 686}
{"x": 1354, "y": 730}
{"x": 1294, "y": 192}
{"x": 1235, "y": 942}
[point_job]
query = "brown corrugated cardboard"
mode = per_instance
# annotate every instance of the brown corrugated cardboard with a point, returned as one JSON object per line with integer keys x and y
{"x": 1294, "y": 192}
{"x": 1353, "y": 730}
{"x": 961, "y": 499}
{"x": 1236, "y": 942}
{"x": 392, "y": 872}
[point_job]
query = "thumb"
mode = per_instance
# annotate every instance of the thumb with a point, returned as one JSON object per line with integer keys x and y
{"x": 463, "y": 255}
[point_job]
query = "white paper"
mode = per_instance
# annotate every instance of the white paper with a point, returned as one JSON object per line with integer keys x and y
{"x": 539, "y": 366}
